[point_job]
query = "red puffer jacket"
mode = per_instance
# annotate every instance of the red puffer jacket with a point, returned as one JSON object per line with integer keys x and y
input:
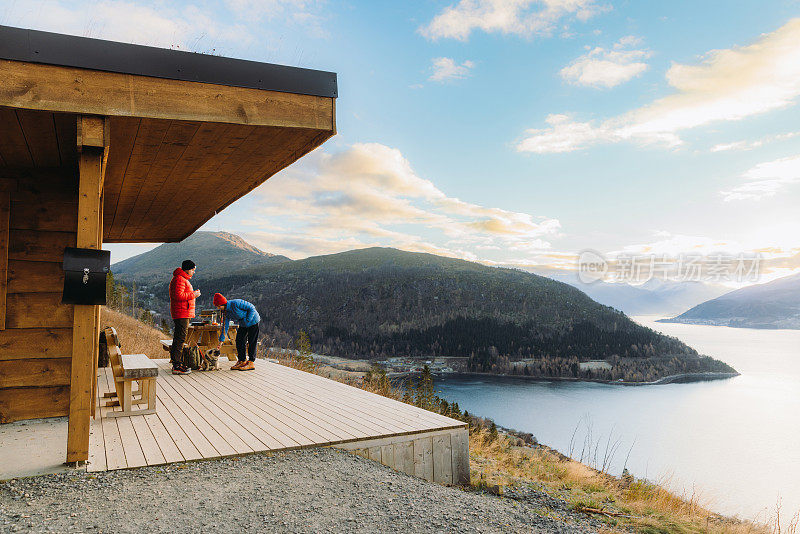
{"x": 181, "y": 295}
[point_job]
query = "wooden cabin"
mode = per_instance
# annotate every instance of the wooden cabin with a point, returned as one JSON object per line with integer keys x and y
{"x": 109, "y": 142}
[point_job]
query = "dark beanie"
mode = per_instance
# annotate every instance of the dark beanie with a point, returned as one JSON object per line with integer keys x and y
{"x": 187, "y": 265}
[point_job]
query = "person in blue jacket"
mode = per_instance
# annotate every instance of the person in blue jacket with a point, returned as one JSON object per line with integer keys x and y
{"x": 246, "y": 316}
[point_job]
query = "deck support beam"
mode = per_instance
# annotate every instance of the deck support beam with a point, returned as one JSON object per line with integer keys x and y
{"x": 93, "y": 147}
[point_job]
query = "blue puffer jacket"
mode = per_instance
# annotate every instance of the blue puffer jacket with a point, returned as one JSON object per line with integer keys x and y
{"x": 242, "y": 312}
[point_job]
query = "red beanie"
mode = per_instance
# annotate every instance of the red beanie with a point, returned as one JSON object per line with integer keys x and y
{"x": 219, "y": 300}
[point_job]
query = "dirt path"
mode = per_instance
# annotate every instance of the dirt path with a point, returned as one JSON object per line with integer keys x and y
{"x": 317, "y": 490}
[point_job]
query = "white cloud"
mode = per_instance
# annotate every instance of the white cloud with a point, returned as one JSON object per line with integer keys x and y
{"x": 601, "y": 67}
{"x": 726, "y": 85}
{"x": 519, "y": 17}
{"x": 368, "y": 194}
{"x": 563, "y": 135}
{"x": 766, "y": 179}
{"x": 271, "y": 8}
{"x": 194, "y": 27}
{"x": 445, "y": 69}
{"x": 307, "y": 13}
{"x": 673, "y": 245}
{"x": 749, "y": 145}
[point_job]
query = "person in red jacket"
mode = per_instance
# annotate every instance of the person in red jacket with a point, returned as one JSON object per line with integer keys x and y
{"x": 181, "y": 304}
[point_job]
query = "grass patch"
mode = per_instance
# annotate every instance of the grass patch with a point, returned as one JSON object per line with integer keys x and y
{"x": 135, "y": 336}
{"x": 624, "y": 505}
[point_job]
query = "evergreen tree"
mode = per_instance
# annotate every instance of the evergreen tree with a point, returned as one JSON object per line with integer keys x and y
{"x": 304, "y": 346}
{"x": 493, "y": 432}
{"x": 425, "y": 397}
{"x": 408, "y": 396}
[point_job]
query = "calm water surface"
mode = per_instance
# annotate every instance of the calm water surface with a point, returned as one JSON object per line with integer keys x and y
{"x": 735, "y": 441}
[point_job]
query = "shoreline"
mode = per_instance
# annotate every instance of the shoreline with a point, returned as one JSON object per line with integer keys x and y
{"x": 725, "y": 323}
{"x": 682, "y": 378}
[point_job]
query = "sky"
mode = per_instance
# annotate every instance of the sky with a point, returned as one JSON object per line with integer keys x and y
{"x": 519, "y": 133}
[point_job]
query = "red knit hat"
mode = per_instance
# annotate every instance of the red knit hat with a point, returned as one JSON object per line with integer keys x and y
{"x": 219, "y": 300}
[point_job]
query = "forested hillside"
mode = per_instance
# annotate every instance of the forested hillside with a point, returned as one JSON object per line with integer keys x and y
{"x": 377, "y": 303}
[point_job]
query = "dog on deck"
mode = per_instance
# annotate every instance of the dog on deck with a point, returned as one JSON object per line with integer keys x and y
{"x": 210, "y": 360}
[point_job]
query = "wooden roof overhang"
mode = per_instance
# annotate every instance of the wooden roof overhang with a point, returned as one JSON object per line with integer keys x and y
{"x": 189, "y": 133}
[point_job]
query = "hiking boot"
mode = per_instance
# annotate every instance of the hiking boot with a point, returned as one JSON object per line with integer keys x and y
{"x": 237, "y": 365}
{"x": 180, "y": 370}
{"x": 247, "y": 366}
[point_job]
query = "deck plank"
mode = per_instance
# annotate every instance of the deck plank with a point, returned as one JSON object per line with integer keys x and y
{"x": 390, "y": 423}
{"x": 150, "y": 449}
{"x": 417, "y": 418}
{"x": 246, "y": 419}
{"x": 316, "y": 427}
{"x": 271, "y": 415}
{"x": 201, "y": 395}
{"x": 294, "y": 404}
{"x": 97, "y": 446}
{"x": 339, "y": 413}
{"x": 367, "y": 398}
{"x": 185, "y": 445}
{"x": 134, "y": 456}
{"x": 173, "y": 414}
{"x": 226, "y": 427}
{"x": 168, "y": 447}
{"x": 179, "y": 406}
{"x": 115, "y": 455}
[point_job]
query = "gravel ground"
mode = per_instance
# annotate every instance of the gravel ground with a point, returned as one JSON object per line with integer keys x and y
{"x": 316, "y": 490}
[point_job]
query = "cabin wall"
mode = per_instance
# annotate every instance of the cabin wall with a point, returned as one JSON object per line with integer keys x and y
{"x": 36, "y": 344}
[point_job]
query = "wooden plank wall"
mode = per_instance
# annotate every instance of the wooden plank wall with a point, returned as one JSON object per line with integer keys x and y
{"x": 36, "y": 343}
{"x": 440, "y": 456}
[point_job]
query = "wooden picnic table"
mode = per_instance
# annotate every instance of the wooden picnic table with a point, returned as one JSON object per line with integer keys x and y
{"x": 206, "y": 337}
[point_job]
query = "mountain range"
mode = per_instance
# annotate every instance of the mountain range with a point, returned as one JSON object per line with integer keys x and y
{"x": 380, "y": 302}
{"x": 215, "y": 253}
{"x": 774, "y": 304}
{"x": 654, "y": 297}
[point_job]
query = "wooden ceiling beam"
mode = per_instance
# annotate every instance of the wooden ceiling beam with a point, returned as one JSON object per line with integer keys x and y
{"x": 72, "y": 90}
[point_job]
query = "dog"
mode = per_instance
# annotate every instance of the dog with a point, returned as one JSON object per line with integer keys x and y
{"x": 210, "y": 360}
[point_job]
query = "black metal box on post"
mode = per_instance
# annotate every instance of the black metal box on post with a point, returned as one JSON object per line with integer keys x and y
{"x": 85, "y": 272}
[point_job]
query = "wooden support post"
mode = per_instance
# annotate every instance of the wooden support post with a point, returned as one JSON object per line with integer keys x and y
{"x": 86, "y": 322}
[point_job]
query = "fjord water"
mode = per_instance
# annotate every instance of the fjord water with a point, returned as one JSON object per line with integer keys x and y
{"x": 734, "y": 441}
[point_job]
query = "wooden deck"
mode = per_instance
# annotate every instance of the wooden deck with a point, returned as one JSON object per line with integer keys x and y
{"x": 224, "y": 413}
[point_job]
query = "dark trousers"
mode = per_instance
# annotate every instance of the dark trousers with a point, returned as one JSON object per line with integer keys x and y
{"x": 247, "y": 335}
{"x": 178, "y": 339}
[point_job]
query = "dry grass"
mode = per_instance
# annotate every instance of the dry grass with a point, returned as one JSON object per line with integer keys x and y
{"x": 135, "y": 336}
{"x": 634, "y": 504}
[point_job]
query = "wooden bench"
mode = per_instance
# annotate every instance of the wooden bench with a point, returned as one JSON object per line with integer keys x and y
{"x": 127, "y": 369}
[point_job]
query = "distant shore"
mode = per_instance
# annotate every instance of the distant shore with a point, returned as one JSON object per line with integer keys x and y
{"x": 731, "y": 323}
{"x": 682, "y": 378}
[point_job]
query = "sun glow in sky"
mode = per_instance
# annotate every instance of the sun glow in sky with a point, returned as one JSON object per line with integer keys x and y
{"x": 510, "y": 132}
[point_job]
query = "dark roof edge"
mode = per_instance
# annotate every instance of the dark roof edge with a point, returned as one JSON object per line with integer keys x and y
{"x": 35, "y": 46}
